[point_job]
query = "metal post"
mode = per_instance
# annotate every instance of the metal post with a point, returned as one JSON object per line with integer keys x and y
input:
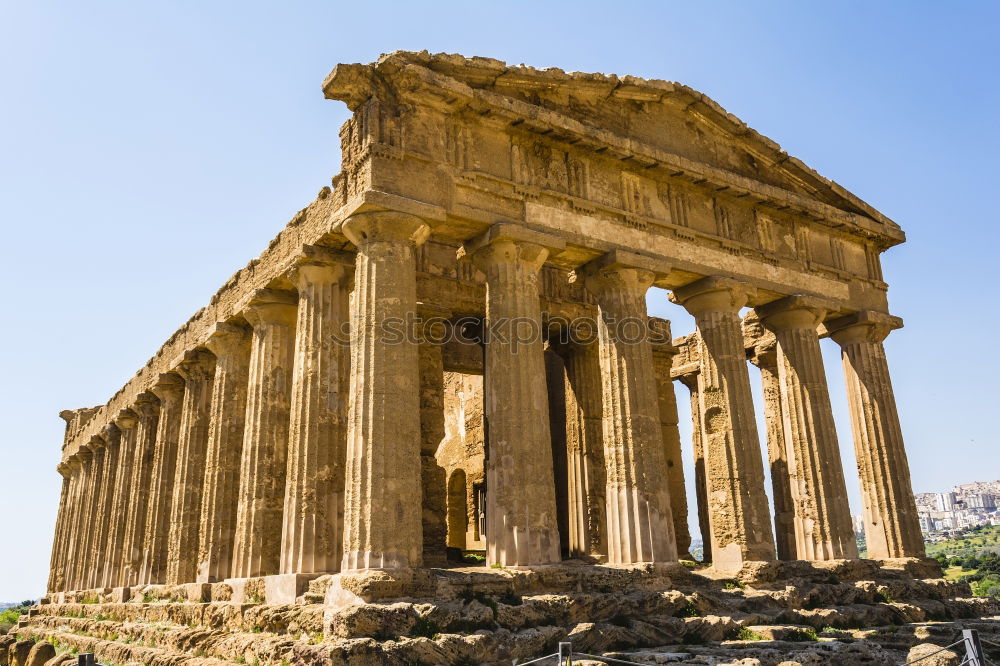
{"x": 973, "y": 648}
{"x": 565, "y": 654}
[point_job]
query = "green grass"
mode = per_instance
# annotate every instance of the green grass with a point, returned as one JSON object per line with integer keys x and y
{"x": 745, "y": 634}
{"x": 976, "y": 542}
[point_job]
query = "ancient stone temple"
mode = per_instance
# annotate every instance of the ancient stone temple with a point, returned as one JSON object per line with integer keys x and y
{"x": 448, "y": 352}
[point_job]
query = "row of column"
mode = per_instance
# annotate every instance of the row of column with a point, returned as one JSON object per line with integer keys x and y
{"x": 252, "y": 436}
{"x": 811, "y": 512}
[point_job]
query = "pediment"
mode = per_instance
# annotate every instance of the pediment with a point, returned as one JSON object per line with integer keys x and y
{"x": 648, "y": 122}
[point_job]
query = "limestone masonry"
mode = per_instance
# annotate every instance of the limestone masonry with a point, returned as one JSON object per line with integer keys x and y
{"x": 448, "y": 351}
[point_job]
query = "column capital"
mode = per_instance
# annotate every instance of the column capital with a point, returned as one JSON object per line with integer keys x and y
{"x": 863, "y": 326}
{"x": 792, "y": 312}
{"x": 506, "y": 243}
{"x": 272, "y": 306}
{"x": 713, "y": 294}
{"x": 168, "y": 387}
{"x": 322, "y": 265}
{"x": 100, "y": 442}
{"x": 385, "y": 225}
{"x": 619, "y": 269}
{"x": 227, "y": 337}
{"x": 64, "y": 469}
{"x": 110, "y": 434}
{"x": 126, "y": 419}
{"x": 86, "y": 451}
{"x": 146, "y": 405}
{"x": 196, "y": 364}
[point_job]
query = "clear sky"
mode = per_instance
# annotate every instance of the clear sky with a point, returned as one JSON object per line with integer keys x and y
{"x": 148, "y": 150}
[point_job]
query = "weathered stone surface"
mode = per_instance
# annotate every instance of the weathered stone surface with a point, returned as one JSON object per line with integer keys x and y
{"x": 640, "y": 525}
{"x": 314, "y": 492}
{"x": 230, "y": 343}
{"x": 382, "y": 507}
{"x": 521, "y": 508}
{"x": 822, "y": 520}
{"x": 261, "y": 497}
{"x": 734, "y": 474}
{"x": 932, "y": 655}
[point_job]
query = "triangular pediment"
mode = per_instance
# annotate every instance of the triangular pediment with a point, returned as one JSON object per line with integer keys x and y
{"x": 658, "y": 121}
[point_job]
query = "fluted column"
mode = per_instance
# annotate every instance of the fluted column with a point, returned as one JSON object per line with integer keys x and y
{"x": 640, "y": 522}
{"x": 521, "y": 519}
{"x": 585, "y": 452}
{"x": 314, "y": 488}
{"x": 766, "y": 359}
{"x": 734, "y": 471}
{"x": 230, "y": 343}
{"x": 382, "y": 512}
{"x": 147, "y": 411}
{"x": 663, "y": 357}
{"x": 257, "y": 549}
{"x": 57, "y": 566}
{"x": 77, "y": 468}
{"x": 93, "y": 552}
{"x": 170, "y": 390}
{"x": 197, "y": 369}
{"x": 434, "y": 505}
{"x": 698, "y": 454}
{"x": 892, "y": 528}
{"x": 105, "y": 512}
{"x": 823, "y": 529}
{"x": 121, "y": 497}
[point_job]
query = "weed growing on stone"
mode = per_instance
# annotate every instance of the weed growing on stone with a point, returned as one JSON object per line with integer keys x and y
{"x": 802, "y": 635}
{"x": 747, "y": 634}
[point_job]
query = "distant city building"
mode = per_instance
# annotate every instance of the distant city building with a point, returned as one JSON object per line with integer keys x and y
{"x": 945, "y": 501}
{"x": 964, "y": 506}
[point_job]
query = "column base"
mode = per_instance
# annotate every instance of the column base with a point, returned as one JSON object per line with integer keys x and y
{"x": 246, "y": 590}
{"x": 197, "y": 592}
{"x": 362, "y": 586}
{"x": 287, "y": 588}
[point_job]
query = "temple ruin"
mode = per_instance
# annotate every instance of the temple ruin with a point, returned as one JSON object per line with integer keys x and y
{"x": 448, "y": 352}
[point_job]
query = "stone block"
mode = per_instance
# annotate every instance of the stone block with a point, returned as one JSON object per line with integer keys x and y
{"x": 286, "y": 588}
{"x": 197, "y": 592}
{"x": 246, "y": 590}
{"x": 120, "y": 595}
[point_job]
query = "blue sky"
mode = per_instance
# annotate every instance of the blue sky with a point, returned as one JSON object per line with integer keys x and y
{"x": 148, "y": 150}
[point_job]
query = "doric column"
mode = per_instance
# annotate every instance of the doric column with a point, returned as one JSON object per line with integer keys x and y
{"x": 105, "y": 514}
{"x": 257, "y": 549}
{"x": 170, "y": 390}
{"x": 121, "y": 497}
{"x": 382, "y": 525}
{"x": 314, "y": 488}
{"x": 698, "y": 453}
{"x": 57, "y": 566}
{"x": 892, "y": 528}
{"x": 734, "y": 472}
{"x": 640, "y": 524}
{"x": 663, "y": 357}
{"x": 96, "y": 503}
{"x": 79, "y": 468}
{"x": 434, "y": 506}
{"x": 147, "y": 411}
{"x": 521, "y": 526}
{"x": 586, "y": 476}
{"x": 197, "y": 369}
{"x": 823, "y": 529}
{"x": 231, "y": 345}
{"x": 763, "y": 352}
